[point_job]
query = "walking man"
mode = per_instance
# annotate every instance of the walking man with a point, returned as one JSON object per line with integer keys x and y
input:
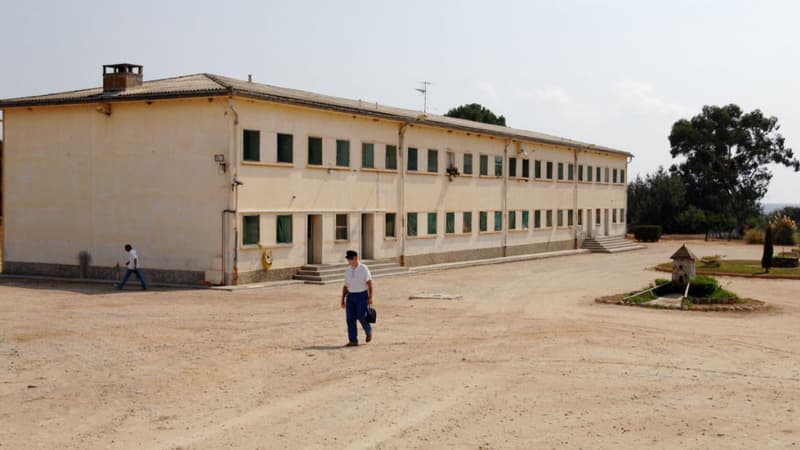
{"x": 133, "y": 267}
{"x": 356, "y": 295}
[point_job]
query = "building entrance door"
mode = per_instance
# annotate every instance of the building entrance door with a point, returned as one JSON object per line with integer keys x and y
{"x": 314, "y": 239}
{"x": 367, "y": 236}
{"x": 605, "y": 222}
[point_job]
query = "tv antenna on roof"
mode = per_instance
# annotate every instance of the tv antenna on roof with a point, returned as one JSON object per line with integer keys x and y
{"x": 424, "y": 91}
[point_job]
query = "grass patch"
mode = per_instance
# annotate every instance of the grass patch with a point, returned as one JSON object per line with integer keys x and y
{"x": 741, "y": 267}
{"x": 642, "y": 298}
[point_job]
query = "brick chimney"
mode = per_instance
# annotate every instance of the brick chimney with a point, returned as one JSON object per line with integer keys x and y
{"x": 118, "y": 77}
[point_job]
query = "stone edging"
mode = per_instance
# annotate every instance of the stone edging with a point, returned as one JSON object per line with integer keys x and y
{"x": 751, "y": 305}
{"x": 740, "y": 275}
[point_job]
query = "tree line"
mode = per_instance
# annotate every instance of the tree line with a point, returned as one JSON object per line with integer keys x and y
{"x": 720, "y": 175}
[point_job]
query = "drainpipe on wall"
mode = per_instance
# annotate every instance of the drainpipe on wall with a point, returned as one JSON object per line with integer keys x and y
{"x": 234, "y": 197}
{"x": 401, "y": 135}
{"x": 575, "y": 197}
{"x": 505, "y": 196}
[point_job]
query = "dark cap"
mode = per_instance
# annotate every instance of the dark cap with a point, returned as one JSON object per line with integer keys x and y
{"x": 351, "y": 254}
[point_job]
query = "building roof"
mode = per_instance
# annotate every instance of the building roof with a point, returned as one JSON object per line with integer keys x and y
{"x": 684, "y": 253}
{"x": 202, "y": 85}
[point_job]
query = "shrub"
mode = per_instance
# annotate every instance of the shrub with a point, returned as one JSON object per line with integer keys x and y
{"x": 702, "y": 286}
{"x": 783, "y": 228}
{"x": 663, "y": 286}
{"x": 754, "y": 237}
{"x": 647, "y": 233}
{"x": 711, "y": 261}
{"x": 784, "y": 260}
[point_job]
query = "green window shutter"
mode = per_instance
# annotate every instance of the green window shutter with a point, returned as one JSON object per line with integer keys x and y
{"x": 570, "y": 217}
{"x": 549, "y": 170}
{"x": 580, "y": 172}
{"x": 315, "y": 151}
{"x": 512, "y": 220}
{"x": 512, "y": 167}
{"x": 389, "y": 228}
{"x": 483, "y": 219}
{"x": 597, "y": 216}
{"x": 560, "y": 217}
{"x": 498, "y": 166}
{"x": 580, "y": 217}
{"x": 549, "y": 218}
{"x": 284, "y": 230}
{"x": 285, "y": 148}
{"x": 615, "y": 175}
{"x": 250, "y": 230}
{"x": 498, "y": 220}
{"x": 607, "y": 179}
{"x": 589, "y": 173}
{"x": 251, "y": 145}
{"x": 432, "y": 223}
{"x": 391, "y": 157}
{"x": 537, "y": 219}
{"x": 484, "y": 160}
{"x": 368, "y": 155}
{"x": 614, "y": 215}
{"x": 433, "y": 160}
{"x": 342, "y": 153}
{"x": 412, "y": 159}
{"x": 412, "y": 224}
{"x": 450, "y": 223}
{"x": 622, "y": 175}
{"x": 537, "y": 169}
{"x": 622, "y": 215}
{"x": 560, "y": 171}
{"x": 599, "y": 177}
{"x": 467, "y": 163}
{"x": 466, "y": 226}
{"x": 571, "y": 172}
{"x": 526, "y": 168}
{"x": 525, "y": 215}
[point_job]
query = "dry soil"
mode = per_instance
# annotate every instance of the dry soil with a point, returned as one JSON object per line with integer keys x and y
{"x": 525, "y": 359}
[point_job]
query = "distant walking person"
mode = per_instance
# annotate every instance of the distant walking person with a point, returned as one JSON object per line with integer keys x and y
{"x": 133, "y": 267}
{"x": 356, "y": 295}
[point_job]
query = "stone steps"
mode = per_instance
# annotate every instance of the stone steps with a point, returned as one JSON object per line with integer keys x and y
{"x": 334, "y": 273}
{"x": 610, "y": 244}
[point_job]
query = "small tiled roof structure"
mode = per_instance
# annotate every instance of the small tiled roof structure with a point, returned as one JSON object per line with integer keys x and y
{"x": 684, "y": 253}
{"x": 202, "y": 85}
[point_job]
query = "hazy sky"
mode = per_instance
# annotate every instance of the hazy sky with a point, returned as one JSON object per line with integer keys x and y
{"x": 615, "y": 73}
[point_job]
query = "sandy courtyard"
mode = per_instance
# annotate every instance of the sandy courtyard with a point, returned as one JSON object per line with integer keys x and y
{"x": 524, "y": 360}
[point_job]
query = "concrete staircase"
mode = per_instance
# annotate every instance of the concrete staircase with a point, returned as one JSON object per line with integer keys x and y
{"x": 334, "y": 273}
{"x": 610, "y": 244}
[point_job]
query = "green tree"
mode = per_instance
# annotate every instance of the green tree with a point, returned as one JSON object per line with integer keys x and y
{"x": 658, "y": 199}
{"x": 726, "y": 153}
{"x": 476, "y": 113}
{"x": 766, "y": 258}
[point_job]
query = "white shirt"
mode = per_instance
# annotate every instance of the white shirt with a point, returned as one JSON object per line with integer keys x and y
{"x": 133, "y": 260}
{"x": 356, "y": 279}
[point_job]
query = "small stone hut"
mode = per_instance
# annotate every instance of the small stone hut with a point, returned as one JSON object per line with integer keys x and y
{"x": 683, "y": 266}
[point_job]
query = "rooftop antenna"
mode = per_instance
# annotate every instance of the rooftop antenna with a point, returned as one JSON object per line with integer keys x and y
{"x": 424, "y": 91}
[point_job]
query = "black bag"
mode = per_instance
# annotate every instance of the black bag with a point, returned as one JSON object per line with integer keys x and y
{"x": 371, "y": 314}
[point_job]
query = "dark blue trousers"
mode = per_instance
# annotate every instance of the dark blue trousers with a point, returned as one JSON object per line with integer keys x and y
{"x": 356, "y": 310}
{"x": 128, "y": 275}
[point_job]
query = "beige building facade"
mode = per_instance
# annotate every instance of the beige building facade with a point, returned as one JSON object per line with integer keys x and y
{"x": 223, "y": 181}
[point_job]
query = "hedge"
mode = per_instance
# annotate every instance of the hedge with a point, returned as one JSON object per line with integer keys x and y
{"x": 702, "y": 286}
{"x": 647, "y": 233}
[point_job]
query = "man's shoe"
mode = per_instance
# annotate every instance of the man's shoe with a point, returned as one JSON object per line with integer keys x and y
{"x": 352, "y": 344}
{"x": 369, "y": 337}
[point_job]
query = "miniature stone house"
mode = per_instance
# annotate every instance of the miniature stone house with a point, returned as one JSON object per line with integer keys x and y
{"x": 683, "y": 266}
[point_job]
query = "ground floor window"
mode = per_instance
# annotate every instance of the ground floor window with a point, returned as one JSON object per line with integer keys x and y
{"x": 412, "y": 224}
{"x": 537, "y": 219}
{"x": 549, "y": 218}
{"x": 570, "y": 217}
{"x": 466, "y": 225}
{"x": 483, "y": 221}
{"x": 580, "y": 217}
{"x": 560, "y": 217}
{"x": 450, "y": 223}
{"x": 284, "y": 230}
{"x": 341, "y": 227}
{"x": 432, "y": 223}
{"x": 622, "y": 215}
{"x": 614, "y": 215}
{"x": 250, "y": 230}
{"x": 525, "y": 220}
{"x": 498, "y": 220}
{"x": 389, "y": 227}
{"x": 512, "y": 220}
{"x": 597, "y": 213}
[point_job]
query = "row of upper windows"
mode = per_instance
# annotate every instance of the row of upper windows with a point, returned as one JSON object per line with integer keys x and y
{"x": 516, "y": 220}
{"x": 517, "y": 167}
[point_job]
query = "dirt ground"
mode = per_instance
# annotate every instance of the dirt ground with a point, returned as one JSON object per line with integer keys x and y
{"x": 525, "y": 360}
